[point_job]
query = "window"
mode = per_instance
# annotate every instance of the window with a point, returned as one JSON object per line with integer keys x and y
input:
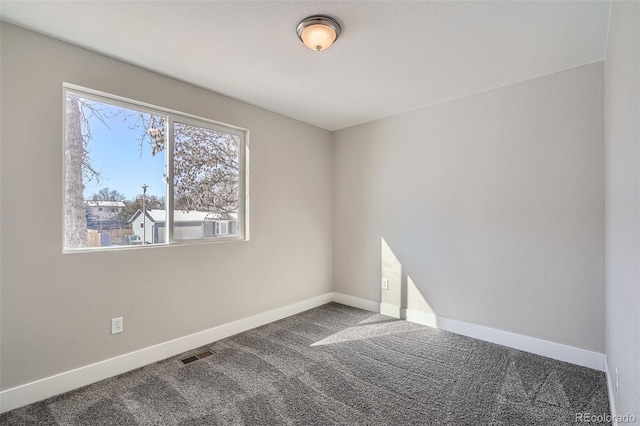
{"x": 221, "y": 228}
{"x": 175, "y": 174}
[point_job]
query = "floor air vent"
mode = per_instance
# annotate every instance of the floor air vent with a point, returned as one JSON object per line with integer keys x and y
{"x": 196, "y": 357}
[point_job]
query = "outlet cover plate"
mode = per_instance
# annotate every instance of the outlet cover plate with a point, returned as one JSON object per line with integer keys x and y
{"x": 117, "y": 325}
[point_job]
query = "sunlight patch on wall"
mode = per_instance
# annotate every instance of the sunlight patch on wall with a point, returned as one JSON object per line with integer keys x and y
{"x": 391, "y": 270}
{"x": 418, "y": 309}
{"x": 402, "y": 298}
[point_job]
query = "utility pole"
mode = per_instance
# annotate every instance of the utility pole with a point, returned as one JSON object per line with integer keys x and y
{"x": 144, "y": 214}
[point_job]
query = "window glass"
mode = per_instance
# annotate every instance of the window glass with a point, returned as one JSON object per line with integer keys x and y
{"x": 118, "y": 191}
{"x": 206, "y": 176}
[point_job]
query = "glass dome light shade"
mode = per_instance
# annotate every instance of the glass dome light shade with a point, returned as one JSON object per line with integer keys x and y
{"x": 318, "y": 37}
{"x": 318, "y": 32}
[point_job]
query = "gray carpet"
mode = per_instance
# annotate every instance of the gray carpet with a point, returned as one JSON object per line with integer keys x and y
{"x": 336, "y": 365}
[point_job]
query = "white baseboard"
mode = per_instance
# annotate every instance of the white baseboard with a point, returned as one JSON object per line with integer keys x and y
{"x": 356, "y": 302}
{"x": 69, "y": 380}
{"x": 390, "y": 310}
{"x": 611, "y": 390}
{"x": 419, "y": 317}
{"x": 582, "y": 357}
{"x": 546, "y": 348}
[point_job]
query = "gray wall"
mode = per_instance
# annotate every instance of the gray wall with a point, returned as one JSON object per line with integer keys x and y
{"x": 56, "y": 309}
{"x": 622, "y": 141}
{"x": 493, "y": 205}
{"x": 490, "y": 208}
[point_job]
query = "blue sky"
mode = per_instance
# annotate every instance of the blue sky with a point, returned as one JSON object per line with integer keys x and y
{"x": 115, "y": 153}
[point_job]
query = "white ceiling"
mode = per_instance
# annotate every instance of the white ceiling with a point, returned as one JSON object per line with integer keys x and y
{"x": 392, "y": 56}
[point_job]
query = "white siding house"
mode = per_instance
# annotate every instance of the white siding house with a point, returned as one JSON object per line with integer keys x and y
{"x": 187, "y": 225}
{"x": 106, "y": 214}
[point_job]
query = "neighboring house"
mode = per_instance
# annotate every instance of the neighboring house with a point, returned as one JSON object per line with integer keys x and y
{"x": 106, "y": 214}
{"x": 186, "y": 225}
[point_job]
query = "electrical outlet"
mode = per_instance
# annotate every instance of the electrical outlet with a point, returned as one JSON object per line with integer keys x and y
{"x": 385, "y": 284}
{"x": 617, "y": 381}
{"x": 117, "y": 325}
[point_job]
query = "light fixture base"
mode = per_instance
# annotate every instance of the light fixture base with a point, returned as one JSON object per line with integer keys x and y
{"x": 318, "y": 32}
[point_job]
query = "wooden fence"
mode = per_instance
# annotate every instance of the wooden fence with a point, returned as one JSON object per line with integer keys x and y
{"x": 107, "y": 237}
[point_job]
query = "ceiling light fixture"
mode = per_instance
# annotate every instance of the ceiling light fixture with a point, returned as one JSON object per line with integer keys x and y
{"x": 318, "y": 32}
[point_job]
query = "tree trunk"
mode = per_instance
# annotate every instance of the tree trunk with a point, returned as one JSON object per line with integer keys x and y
{"x": 75, "y": 232}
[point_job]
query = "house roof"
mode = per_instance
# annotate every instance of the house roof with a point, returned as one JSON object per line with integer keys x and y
{"x": 160, "y": 215}
{"x": 92, "y": 203}
{"x": 178, "y": 216}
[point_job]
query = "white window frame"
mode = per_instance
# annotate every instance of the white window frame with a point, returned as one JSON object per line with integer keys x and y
{"x": 172, "y": 116}
{"x": 219, "y": 226}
